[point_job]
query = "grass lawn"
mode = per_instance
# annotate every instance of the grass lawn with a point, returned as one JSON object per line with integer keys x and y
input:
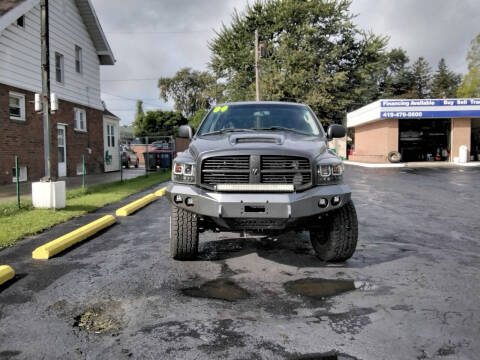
{"x": 16, "y": 223}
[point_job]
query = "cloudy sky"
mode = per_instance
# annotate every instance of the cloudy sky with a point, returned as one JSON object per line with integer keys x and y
{"x": 154, "y": 38}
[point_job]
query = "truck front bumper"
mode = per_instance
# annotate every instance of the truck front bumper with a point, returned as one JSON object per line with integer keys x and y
{"x": 257, "y": 205}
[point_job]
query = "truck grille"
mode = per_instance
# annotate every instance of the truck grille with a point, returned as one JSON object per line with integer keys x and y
{"x": 286, "y": 170}
{"x": 227, "y": 163}
{"x": 284, "y": 163}
{"x": 226, "y": 170}
{"x": 272, "y": 169}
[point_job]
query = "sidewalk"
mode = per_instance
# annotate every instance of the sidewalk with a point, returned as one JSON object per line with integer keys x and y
{"x": 8, "y": 192}
{"x": 419, "y": 164}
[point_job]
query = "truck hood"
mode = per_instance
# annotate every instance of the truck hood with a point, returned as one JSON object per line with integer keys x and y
{"x": 281, "y": 142}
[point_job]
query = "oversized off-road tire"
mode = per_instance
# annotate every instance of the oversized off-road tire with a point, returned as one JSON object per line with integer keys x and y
{"x": 183, "y": 234}
{"x": 336, "y": 238}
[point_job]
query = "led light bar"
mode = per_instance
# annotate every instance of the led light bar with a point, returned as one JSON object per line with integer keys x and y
{"x": 256, "y": 187}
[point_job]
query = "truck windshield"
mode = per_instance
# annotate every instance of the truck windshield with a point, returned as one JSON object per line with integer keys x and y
{"x": 270, "y": 117}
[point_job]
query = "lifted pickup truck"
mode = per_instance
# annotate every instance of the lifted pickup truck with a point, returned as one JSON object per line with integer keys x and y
{"x": 261, "y": 167}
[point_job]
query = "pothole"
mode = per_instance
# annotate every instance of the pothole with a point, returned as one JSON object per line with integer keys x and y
{"x": 326, "y": 356}
{"x": 222, "y": 289}
{"x": 319, "y": 288}
{"x": 100, "y": 318}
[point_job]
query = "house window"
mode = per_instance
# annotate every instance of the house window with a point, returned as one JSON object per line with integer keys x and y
{"x": 80, "y": 169}
{"x": 16, "y": 106}
{"x": 78, "y": 59}
{"x": 80, "y": 119}
{"x": 59, "y": 67}
{"x": 110, "y": 135}
{"x": 22, "y": 172}
{"x": 21, "y": 22}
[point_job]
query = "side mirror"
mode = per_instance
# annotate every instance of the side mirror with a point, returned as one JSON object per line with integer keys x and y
{"x": 185, "y": 131}
{"x": 335, "y": 131}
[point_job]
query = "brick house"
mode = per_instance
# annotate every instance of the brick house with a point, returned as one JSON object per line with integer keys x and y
{"x": 77, "y": 49}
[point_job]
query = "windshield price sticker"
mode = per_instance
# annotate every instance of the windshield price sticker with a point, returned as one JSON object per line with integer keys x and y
{"x": 220, "y": 108}
{"x": 402, "y": 114}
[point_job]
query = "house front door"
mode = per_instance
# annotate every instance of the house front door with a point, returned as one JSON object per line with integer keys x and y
{"x": 111, "y": 133}
{"x": 62, "y": 150}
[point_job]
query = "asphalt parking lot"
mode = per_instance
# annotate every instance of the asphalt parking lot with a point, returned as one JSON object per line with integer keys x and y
{"x": 411, "y": 291}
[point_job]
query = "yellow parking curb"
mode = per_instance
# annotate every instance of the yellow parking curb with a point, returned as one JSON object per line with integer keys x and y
{"x": 56, "y": 246}
{"x": 6, "y": 273}
{"x": 160, "y": 192}
{"x": 134, "y": 206}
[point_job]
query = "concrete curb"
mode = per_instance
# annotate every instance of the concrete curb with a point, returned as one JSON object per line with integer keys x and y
{"x": 160, "y": 192}
{"x": 56, "y": 246}
{"x": 6, "y": 273}
{"x": 424, "y": 164}
{"x": 373, "y": 165}
{"x": 468, "y": 164}
{"x": 134, "y": 206}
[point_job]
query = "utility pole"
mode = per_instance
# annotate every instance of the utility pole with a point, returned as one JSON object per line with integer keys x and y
{"x": 257, "y": 75}
{"x": 45, "y": 87}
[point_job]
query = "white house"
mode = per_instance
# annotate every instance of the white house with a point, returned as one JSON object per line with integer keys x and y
{"x": 78, "y": 47}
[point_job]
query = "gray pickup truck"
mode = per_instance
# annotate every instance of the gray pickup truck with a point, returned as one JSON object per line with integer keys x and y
{"x": 261, "y": 167}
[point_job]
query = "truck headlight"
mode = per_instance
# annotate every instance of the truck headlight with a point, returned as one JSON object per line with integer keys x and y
{"x": 328, "y": 174}
{"x": 183, "y": 172}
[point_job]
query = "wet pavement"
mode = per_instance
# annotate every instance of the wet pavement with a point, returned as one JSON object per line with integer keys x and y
{"x": 411, "y": 291}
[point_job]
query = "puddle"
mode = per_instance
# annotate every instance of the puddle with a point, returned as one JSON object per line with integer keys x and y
{"x": 319, "y": 288}
{"x": 327, "y": 356}
{"x": 222, "y": 289}
{"x": 100, "y": 318}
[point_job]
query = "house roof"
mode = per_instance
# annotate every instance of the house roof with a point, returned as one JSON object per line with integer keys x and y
{"x": 7, "y": 5}
{"x": 11, "y": 10}
{"x": 108, "y": 113}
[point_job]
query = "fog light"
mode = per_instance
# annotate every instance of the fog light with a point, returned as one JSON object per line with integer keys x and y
{"x": 336, "y": 200}
{"x": 323, "y": 203}
{"x": 177, "y": 199}
{"x": 189, "y": 201}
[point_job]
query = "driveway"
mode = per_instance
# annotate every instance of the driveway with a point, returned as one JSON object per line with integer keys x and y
{"x": 411, "y": 291}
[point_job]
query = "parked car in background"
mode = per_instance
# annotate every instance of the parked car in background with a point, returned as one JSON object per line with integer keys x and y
{"x": 129, "y": 157}
{"x": 162, "y": 145}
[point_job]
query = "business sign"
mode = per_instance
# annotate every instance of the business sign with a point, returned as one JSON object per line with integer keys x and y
{"x": 429, "y": 102}
{"x": 429, "y": 108}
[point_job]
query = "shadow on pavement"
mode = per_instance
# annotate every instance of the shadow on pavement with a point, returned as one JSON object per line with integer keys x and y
{"x": 295, "y": 250}
{"x": 9, "y": 283}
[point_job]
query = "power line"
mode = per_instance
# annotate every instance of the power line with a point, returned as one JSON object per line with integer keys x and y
{"x": 158, "y": 32}
{"x": 127, "y": 99}
{"x": 131, "y": 99}
{"x": 144, "y": 79}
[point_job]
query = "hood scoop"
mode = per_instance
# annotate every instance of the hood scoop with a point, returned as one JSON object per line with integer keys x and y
{"x": 256, "y": 138}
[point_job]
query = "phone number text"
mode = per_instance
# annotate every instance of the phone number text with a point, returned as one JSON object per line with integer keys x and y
{"x": 402, "y": 114}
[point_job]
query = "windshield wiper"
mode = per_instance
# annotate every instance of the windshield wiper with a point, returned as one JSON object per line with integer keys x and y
{"x": 226, "y": 130}
{"x": 282, "y": 128}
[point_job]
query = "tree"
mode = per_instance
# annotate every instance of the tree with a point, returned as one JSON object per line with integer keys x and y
{"x": 159, "y": 123}
{"x": 139, "y": 113}
{"x": 190, "y": 90}
{"x": 195, "y": 120}
{"x": 397, "y": 80}
{"x": 314, "y": 53}
{"x": 420, "y": 77}
{"x": 470, "y": 86}
{"x": 445, "y": 82}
